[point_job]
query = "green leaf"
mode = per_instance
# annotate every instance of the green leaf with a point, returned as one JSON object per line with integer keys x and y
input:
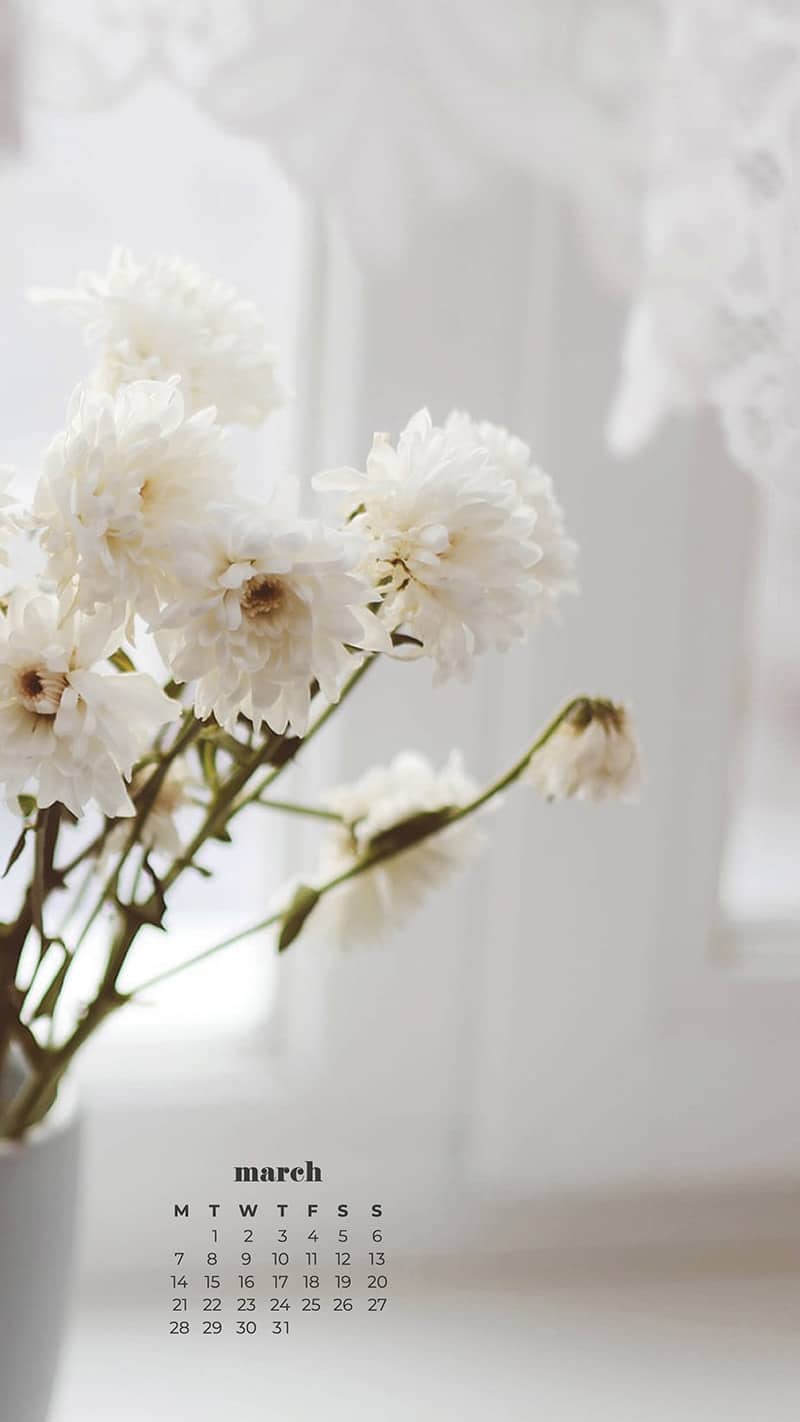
{"x": 303, "y": 903}
{"x": 27, "y": 805}
{"x": 208, "y": 764}
{"x": 121, "y": 661}
{"x": 408, "y": 832}
{"x": 16, "y": 851}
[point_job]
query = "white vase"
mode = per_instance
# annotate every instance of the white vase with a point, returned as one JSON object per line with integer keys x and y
{"x": 38, "y": 1199}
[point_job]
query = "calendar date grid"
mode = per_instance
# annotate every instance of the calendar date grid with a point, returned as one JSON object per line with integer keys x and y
{"x": 254, "y": 1269}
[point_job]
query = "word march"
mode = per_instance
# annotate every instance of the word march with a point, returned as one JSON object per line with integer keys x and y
{"x": 277, "y": 1174}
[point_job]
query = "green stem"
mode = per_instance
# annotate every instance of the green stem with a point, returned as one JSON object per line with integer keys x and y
{"x": 33, "y": 1101}
{"x": 362, "y": 866}
{"x": 45, "y": 877}
{"x": 518, "y": 767}
{"x": 189, "y": 732}
{"x": 22, "y": 1112}
{"x": 289, "y": 807}
{"x": 35, "y": 1098}
{"x": 78, "y": 899}
{"x": 39, "y": 853}
{"x": 229, "y": 801}
{"x": 33, "y": 1051}
{"x": 37, "y": 1093}
{"x": 13, "y": 937}
{"x": 322, "y": 720}
{"x": 89, "y": 850}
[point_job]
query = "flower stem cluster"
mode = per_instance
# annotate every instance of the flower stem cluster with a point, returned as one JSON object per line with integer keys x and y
{"x": 264, "y": 622}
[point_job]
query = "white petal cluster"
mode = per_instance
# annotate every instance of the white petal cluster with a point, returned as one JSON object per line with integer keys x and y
{"x": 267, "y": 604}
{"x": 592, "y": 755}
{"x": 121, "y": 484}
{"x": 451, "y": 545}
{"x": 70, "y": 732}
{"x": 170, "y": 318}
{"x": 8, "y": 523}
{"x": 555, "y": 570}
{"x": 376, "y": 902}
{"x": 160, "y": 833}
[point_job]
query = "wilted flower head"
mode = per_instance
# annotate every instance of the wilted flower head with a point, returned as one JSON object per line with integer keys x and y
{"x": 128, "y": 473}
{"x": 267, "y": 604}
{"x": 449, "y": 542}
{"x": 593, "y": 754}
{"x": 555, "y": 570}
{"x": 69, "y": 732}
{"x": 381, "y": 899}
{"x": 170, "y": 318}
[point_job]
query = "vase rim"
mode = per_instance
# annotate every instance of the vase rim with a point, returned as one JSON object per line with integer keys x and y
{"x": 59, "y": 1118}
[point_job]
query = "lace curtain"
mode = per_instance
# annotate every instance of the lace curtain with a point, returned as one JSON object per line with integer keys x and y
{"x": 671, "y": 126}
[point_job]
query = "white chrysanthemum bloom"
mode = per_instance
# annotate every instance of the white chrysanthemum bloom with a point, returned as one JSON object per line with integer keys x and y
{"x": 170, "y": 318}
{"x": 160, "y": 832}
{"x": 592, "y": 755}
{"x": 376, "y": 902}
{"x": 68, "y": 731}
{"x": 450, "y": 544}
{"x": 555, "y": 570}
{"x": 128, "y": 473}
{"x": 8, "y": 523}
{"x": 267, "y": 604}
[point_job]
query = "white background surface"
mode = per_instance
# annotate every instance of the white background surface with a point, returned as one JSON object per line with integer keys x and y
{"x": 706, "y": 1340}
{"x": 572, "y": 1019}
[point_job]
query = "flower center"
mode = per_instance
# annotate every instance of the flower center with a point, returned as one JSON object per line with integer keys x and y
{"x": 262, "y": 595}
{"x": 41, "y": 690}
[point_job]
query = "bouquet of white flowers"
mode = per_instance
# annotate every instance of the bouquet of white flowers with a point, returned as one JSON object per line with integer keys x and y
{"x": 450, "y": 542}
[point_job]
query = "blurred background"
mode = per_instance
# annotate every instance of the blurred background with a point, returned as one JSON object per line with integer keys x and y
{"x": 573, "y": 1078}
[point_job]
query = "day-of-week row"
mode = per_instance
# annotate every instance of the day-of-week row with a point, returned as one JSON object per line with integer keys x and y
{"x": 250, "y": 1211}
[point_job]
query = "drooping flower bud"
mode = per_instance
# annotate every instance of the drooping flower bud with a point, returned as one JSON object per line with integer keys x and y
{"x": 593, "y": 754}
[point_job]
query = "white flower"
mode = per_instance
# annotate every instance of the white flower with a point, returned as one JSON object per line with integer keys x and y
{"x": 159, "y": 833}
{"x": 383, "y": 898}
{"x": 126, "y": 476}
{"x": 267, "y": 605}
{"x": 8, "y": 523}
{"x": 593, "y": 754}
{"x": 68, "y": 732}
{"x": 451, "y": 545}
{"x": 170, "y": 318}
{"x": 555, "y": 570}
